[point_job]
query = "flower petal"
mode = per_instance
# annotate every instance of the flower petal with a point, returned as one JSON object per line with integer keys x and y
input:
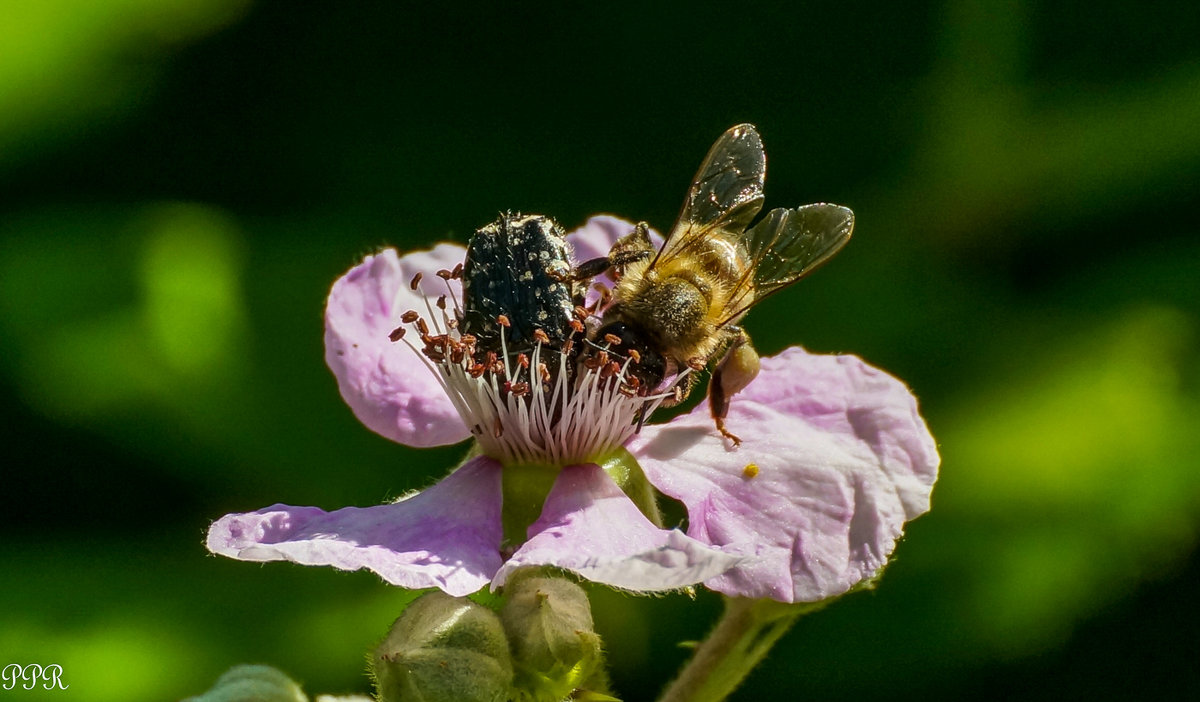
{"x": 386, "y": 383}
{"x": 447, "y": 536}
{"x": 834, "y": 459}
{"x": 589, "y": 526}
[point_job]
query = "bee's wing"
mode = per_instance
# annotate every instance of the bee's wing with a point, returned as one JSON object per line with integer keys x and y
{"x": 787, "y": 245}
{"x": 726, "y": 193}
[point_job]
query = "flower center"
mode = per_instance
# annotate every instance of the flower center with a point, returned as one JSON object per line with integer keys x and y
{"x": 556, "y": 404}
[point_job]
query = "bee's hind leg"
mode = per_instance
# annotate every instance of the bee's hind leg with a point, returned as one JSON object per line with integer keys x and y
{"x": 737, "y": 367}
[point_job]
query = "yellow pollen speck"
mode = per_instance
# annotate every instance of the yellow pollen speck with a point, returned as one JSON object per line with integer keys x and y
{"x": 750, "y": 470}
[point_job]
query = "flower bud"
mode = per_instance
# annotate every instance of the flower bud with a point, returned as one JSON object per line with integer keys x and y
{"x": 443, "y": 649}
{"x": 252, "y": 683}
{"x": 555, "y": 648}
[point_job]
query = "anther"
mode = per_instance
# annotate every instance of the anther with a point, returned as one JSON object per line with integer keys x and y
{"x": 519, "y": 389}
{"x": 493, "y": 364}
{"x": 637, "y": 357}
{"x": 457, "y": 272}
{"x": 477, "y": 370}
{"x": 422, "y": 327}
{"x": 613, "y": 339}
{"x": 441, "y": 302}
{"x": 696, "y": 363}
{"x": 523, "y": 360}
{"x": 543, "y": 372}
{"x": 409, "y": 317}
{"x": 540, "y": 336}
{"x": 582, "y": 313}
{"x": 576, "y": 326}
{"x": 609, "y": 370}
{"x": 416, "y": 280}
{"x": 502, "y": 320}
{"x": 397, "y": 334}
{"x": 468, "y": 339}
{"x": 444, "y": 274}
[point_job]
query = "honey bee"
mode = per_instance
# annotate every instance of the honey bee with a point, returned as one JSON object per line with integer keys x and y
{"x": 679, "y": 306}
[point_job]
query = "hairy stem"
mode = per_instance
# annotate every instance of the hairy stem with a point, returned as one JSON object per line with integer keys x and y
{"x": 746, "y": 632}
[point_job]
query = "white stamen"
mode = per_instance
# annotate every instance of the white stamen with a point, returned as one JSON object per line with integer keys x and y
{"x": 570, "y": 421}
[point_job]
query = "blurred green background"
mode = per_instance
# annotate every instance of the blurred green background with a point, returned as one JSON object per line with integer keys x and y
{"x": 181, "y": 181}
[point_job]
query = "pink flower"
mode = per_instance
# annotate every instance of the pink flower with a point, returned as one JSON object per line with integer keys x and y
{"x": 835, "y": 459}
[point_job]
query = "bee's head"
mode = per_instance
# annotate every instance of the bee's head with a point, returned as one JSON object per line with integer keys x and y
{"x": 626, "y": 340}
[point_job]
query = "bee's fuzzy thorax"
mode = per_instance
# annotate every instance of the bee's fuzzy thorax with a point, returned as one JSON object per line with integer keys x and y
{"x": 680, "y": 306}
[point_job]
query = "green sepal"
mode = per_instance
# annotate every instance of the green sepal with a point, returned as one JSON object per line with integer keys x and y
{"x": 556, "y": 651}
{"x": 526, "y": 486}
{"x": 525, "y": 489}
{"x": 443, "y": 649}
{"x": 627, "y": 473}
{"x": 252, "y": 683}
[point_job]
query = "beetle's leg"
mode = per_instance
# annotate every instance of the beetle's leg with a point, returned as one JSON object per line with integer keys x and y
{"x": 737, "y": 367}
